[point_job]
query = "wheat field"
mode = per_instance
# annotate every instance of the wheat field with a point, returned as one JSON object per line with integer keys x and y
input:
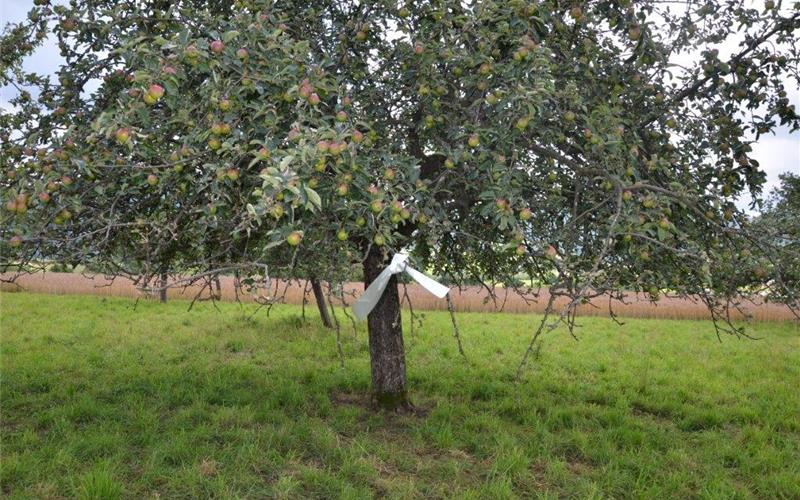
{"x": 467, "y": 299}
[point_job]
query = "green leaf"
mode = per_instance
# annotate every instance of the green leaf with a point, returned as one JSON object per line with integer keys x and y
{"x": 313, "y": 197}
{"x": 230, "y": 35}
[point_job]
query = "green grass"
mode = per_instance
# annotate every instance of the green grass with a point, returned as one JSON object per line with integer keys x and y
{"x": 101, "y": 400}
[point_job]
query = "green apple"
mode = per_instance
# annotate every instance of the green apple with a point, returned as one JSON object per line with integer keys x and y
{"x": 122, "y": 135}
{"x": 277, "y": 211}
{"x": 294, "y": 238}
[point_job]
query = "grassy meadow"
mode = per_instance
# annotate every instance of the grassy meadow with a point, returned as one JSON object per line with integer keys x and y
{"x": 104, "y": 400}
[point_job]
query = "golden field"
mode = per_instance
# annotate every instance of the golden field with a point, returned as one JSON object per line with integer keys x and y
{"x": 467, "y": 299}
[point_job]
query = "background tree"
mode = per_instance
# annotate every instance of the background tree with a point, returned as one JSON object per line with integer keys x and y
{"x": 489, "y": 138}
{"x": 778, "y": 225}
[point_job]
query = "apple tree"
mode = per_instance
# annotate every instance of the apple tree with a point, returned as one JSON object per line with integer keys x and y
{"x": 593, "y": 147}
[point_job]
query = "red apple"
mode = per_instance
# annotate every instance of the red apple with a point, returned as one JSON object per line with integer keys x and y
{"x": 156, "y": 91}
{"x": 305, "y": 89}
{"x": 217, "y": 46}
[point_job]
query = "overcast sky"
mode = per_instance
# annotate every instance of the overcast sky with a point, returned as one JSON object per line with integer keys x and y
{"x": 777, "y": 153}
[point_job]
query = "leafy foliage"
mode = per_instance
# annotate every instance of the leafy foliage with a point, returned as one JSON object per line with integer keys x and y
{"x": 779, "y": 222}
{"x": 558, "y": 139}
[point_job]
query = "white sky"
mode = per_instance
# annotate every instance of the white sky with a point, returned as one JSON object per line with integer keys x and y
{"x": 777, "y": 153}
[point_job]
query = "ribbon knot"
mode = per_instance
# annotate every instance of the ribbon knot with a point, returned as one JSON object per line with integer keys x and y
{"x": 399, "y": 263}
{"x": 375, "y": 290}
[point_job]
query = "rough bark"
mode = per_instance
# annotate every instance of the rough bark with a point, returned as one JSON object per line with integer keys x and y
{"x": 316, "y": 286}
{"x": 162, "y": 294}
{"x": 386, "y": 350}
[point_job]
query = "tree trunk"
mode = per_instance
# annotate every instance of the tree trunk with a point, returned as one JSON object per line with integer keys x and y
{"x": 218, "y": 294}
{"x": 386, "y": 351}
{"x": 162, "y": 294}
{"x": 321, "y": 305}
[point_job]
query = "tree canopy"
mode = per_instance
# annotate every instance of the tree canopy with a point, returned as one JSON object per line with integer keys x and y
{"x": 561, "y": 140}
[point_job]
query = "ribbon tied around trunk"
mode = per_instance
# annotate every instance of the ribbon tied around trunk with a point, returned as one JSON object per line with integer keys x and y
{"x": 375, "y": 290}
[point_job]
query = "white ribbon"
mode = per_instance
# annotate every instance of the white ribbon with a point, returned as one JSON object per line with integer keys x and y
{"x": 374, "y": 291}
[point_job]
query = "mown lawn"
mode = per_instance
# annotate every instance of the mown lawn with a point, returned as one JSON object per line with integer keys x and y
{"x": 101, "y": 400}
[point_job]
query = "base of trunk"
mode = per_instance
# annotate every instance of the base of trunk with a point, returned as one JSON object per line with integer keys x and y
{"x": 392, "y": 401}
